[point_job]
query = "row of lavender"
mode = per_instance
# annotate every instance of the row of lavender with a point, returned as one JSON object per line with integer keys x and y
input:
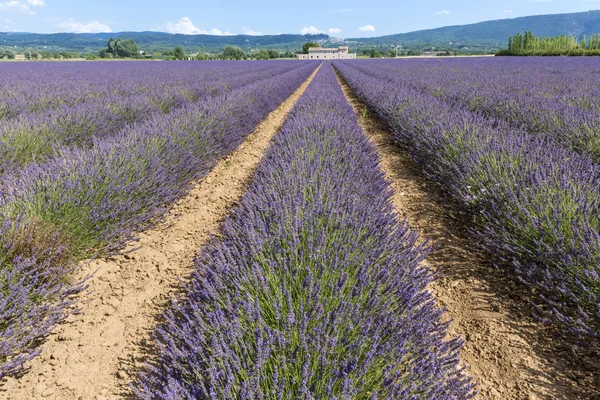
{"x": 97, "y": 101}
{"x": 314, "y": 289}
{"x": 27, "y": 89}
{"x": 89, "y": 201}
{"x": 557, "y": 98}
{"x": 536, "y": 204}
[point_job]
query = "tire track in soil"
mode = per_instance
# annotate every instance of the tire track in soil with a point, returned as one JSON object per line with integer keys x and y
{"x": 95, "y": 355}
{"x": 507, "y": 352}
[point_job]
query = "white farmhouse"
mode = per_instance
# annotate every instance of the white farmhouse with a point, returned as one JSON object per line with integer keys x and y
{"x": 320, "y": 53}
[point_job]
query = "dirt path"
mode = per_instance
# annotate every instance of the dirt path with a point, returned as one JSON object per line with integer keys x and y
{"x": 94, "y": 354}
{"x": 509, "y": 354}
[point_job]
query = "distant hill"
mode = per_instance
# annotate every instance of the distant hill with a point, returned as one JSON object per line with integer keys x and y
{"x": 154, "y": 41}
{"x": 493, "y": 35}
{"x": 488, "y": 36}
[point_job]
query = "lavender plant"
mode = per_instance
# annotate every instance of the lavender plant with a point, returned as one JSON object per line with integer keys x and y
{"x": 36, "y": 292}
{"x": 89, "y": 200}
{"x": 535, "y": 203}
{"x": 27, "y": 90}
{"x": 555, "y": 98}
{"x": 313, "y": 289}
{"x": 41, "y": 133}
{"x": 98, "y": 196}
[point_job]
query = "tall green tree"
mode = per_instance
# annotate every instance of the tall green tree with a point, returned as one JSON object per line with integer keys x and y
{"x": 262, "y": 55}
{"x": 178, "y": 53}
{"x": 233, "y": 53}
{"x": 308, "y": 45}
{"x": 119, "y": 48}
{"x": 529, "y": 44}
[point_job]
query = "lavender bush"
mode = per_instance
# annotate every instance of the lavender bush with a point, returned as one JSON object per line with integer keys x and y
{"x": 37, "y": 132}
{"x": 535, "y": 202}
{"x": 89, "y": 200}
{"x": 314, "y": 289}
{"x": 98, "y": 196}
{"x": 27, "y": 90}
{"x": 36, "y": 292}
{"x": 554, "y": 97}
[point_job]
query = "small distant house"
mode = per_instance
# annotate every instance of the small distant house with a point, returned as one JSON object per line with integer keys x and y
{"x": 19, "y": 57}
{"x": 320, "y": 53}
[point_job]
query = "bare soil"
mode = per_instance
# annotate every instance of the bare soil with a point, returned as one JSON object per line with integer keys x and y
{"x": 508, "y": 353}
{"x": 94, "y": 355}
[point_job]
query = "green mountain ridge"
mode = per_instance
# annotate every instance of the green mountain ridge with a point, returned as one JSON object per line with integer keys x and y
{"x": 494, "y": 34}
{"x": 154, "y": 41}
{"x": 487, "y": 36}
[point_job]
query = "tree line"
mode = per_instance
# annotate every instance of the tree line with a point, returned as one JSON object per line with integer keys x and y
{"x": 9, "y": 54}
{"x": 127, "y": 48}
{"x": 530, "y": 45}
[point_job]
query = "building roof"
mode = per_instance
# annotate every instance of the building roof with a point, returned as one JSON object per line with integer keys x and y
{"x": 322, "y": 49}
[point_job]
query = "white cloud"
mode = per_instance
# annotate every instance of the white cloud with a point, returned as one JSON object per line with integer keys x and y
{"x": 8, "y": 22}
{"x": 367, "y": 28}
{"x": 37, "y": 3}
{"x": 508, "y": 11}
{"x": 250, "y": 32}
{"x": 16, "y": 6}
{"x": 309, "y": 30}
{"x": 71, "y": 26}
{"x": 217, "y": 32}
{"x": 185, "y": 26}
{"x": 443, "y": 12}
{"x": 333, "y": 31}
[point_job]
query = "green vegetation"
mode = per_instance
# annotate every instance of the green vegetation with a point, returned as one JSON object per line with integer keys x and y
{"x": 120, "y": 48}
{"x": 233, "y": 53}
{"x": 488, "y": 36}
{"x": 308, "y": 45}
{"x": 6, "y": 54}
{"x": 178, "y": 53}
{"x": 530, "y": 45}
{"x": 383, "y": 53}
{"x": 154, "y": 43}
{"x": 46, "y": 55}
{"x": 482, "y": 38}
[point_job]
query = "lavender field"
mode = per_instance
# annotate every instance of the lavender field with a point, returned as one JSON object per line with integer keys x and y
{"x": 314, "y": 286}
{"x": 92, "y": 154}
{"x": 519, "y": 152}
{"x": 315, "y": 289}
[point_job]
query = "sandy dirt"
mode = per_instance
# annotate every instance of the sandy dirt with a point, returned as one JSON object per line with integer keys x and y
{"x": 507, "y": 352}
{"x": 94, "y": 355}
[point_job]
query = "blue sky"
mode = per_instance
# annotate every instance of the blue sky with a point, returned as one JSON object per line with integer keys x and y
{"x": 344, "y": 18}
